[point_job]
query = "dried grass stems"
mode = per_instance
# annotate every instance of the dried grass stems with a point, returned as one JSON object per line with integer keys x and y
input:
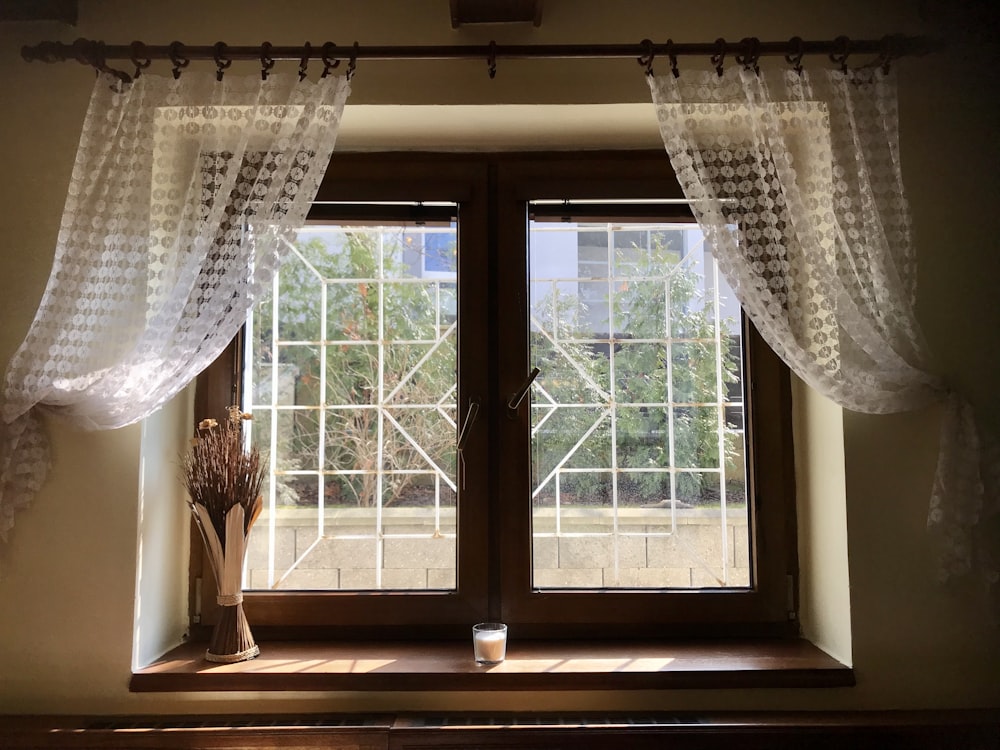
{"x": 220, "y": 471}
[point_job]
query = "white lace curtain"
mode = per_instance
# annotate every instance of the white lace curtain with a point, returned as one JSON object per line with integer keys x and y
{"x": 795, "y": 179}
{"x": 181, "y": 198}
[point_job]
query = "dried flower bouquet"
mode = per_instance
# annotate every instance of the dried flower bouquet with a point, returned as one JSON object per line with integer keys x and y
{"x": 223, "y": 478}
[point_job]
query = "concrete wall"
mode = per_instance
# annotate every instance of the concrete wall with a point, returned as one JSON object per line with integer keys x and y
{"x": 68, "y": 574}
{"x": 650, "y": 549}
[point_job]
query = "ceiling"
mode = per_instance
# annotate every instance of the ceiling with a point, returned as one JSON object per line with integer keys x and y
{"x": 505, "y": 127}
{"x": 64, "y": 11}
{"x": 463, "y": 12}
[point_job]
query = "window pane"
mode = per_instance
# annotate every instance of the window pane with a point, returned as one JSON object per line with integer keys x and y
{"x": 357, "y": 412}
{"x": 637, "y": 441}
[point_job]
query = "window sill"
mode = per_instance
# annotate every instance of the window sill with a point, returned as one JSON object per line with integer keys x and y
{"x": 531, "y": 665}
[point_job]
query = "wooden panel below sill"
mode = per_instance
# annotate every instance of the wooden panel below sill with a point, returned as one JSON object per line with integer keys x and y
{"x": 808, "y": 730}
{"x": 530, "y": 665}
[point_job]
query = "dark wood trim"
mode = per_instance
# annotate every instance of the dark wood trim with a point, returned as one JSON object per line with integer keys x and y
{"x": 771, "y": 477}
{"x": 969, "y": 729}
{"x": 972, "y": 730}
{"x": 203, "y": 732}
{"x": 468, "y": 12}
{"x": 530, "y": 665}
{"x": 218, "y": 385}
{"x": 386, "y": 176}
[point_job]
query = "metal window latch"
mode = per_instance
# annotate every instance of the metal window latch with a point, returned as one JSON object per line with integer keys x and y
{"x": 463, "y": 435}
{"x": 518, "y": 396}
{"x": 470, "y": 418}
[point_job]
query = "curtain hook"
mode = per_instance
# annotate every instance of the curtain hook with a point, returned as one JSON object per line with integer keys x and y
{"x": 672, "y": 56}
{"x": 176, "y": 48}
{"x": 329, "y": 64}
{"x": 266, "y": 61}
{"x": 794, "y": 57}
{"x": 750, "y": 54}
{"x": 221, "y": 61}
{"x": 94, "y": 53}
{"x": 140, "y": 58}
{"x": 888, "y": 45}
{"x": 720, "y": 55}
{"x": 839, "y": 56}
{"x": 491, "y": 60}
{"x": 304, "y": 61}
{"x": 352, "y": 64}
{"x": 97, "y": 56}
{"x": 646, "y": 58}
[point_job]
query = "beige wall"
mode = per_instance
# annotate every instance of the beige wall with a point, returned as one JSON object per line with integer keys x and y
{"x": 68, "y": 574}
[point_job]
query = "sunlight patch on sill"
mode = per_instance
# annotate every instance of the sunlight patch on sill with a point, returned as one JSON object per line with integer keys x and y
{"x": 533, "y": 665}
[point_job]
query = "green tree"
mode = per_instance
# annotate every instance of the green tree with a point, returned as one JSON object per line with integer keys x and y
{"x": 369, "y": 300}
{"x": 655, "y": 298}
{"x": 374, "y": 316}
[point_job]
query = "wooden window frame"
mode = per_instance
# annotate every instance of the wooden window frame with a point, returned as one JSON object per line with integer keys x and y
{"x": 494, "y": 573}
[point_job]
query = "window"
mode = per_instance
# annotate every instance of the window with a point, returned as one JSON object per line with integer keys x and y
{"x": 637, "y": 478}
{"x": 350, "y": 374}
{"x": 641, "y": 488}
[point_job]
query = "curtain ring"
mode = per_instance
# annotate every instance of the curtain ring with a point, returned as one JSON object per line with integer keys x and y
{"x": 646, "y": 58}
{"x": 491, "y": 60}
{"x": 83, "y": 51}
{"x": 266, "y": 61}
{"x": 672, "y": 56}
{"x": 221, "y": 61}
{"x": 839, "y": 56}
{"x": 352, "y": 64}
{"x": 794, "y": 58}
{"x": 177, "y": 59}
{"x": 720, "y": 55}
{"x": 329, "y": 64}
{"x": 750, "y": 54}
{"x": 304, "y": 61}
{"x": 140, "y": 58}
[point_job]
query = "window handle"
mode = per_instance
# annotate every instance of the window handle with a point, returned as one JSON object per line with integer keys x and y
{"x": 470, "y": 418}
{"x": 518, "y": 396}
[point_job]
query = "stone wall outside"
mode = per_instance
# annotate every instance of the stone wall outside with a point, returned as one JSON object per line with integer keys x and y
{"x": 651, "y": 551}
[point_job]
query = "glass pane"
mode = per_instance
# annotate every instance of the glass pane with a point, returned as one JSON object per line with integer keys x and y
{"x": 637, "y": 441}
{"x": 356, "y": 415}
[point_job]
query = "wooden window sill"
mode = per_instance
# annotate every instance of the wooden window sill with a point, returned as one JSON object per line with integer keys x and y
{"x": 530, "y": 665}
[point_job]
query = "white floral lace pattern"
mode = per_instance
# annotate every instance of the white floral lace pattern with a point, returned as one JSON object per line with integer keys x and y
{"x": 181, "y": 198}
{"x": 795, "y": 179}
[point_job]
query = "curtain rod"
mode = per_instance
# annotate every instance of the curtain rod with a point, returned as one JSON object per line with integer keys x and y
{"x": 746, "y": 52}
